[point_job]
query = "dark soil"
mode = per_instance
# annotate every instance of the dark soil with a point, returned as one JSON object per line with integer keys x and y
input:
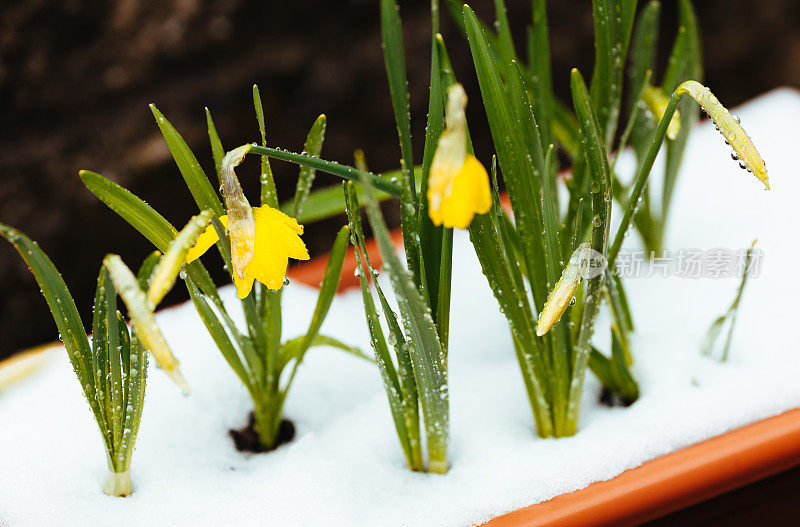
{"x": 246, "y": 439}
{"x": 611, "y": 399}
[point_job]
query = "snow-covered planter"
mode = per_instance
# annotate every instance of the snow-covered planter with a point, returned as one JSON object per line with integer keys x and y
{"x": 700, "y": 427}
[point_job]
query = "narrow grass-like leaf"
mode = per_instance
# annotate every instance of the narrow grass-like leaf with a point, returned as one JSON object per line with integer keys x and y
{"x": 291, "y": 349}
{"x": 220, "y": 336}
{"x": 730, "y": 316}
{"x": 136, "y": 380}
{"x": 113, "y": 381}
{"x": 409, "y": 395}
{"x": 540, "y": 71}
{"x": 147, "y": 221}
{"x": 600, "y": 173}
{"x": 142, "y": 317}
{"x": 643, "y": 50}
{"x": 512, "y": 152}
{"x": 327, "y": 291}
{"x": 427, "y": 354}
{"x": 613, "y": 21}
{"x": 61, "y": 304}
{"x": 394, "y": 58}
{"x": 217, "y": 151}
{"x": 430, "y": 235}
{"x": 269, "y": 193}
{"x": 196, "y": 180}
{"x": 640, "y": 180}
{"x": 165, "y": 273}
{"x": 146, "y": 269}
{"x": 328, "y": 201}
{"x": 505, "y": 43}
{"x": 100, "y": 351}
{"x": 395, "y": 392}
{"x": 313, "y": 148}
{"x": 686, "y": 62}
{"x": 329, "y": 167}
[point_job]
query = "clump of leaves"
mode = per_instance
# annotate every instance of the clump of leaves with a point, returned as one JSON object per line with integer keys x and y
{"x": 113, "y": 369}
{"x": 265, "y": 364}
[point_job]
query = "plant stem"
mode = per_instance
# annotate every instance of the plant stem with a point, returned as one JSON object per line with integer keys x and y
{"x": 329, "y": 167}
{"x": 267, "y": 411}
{"x": 118, "y": 484}
{"x": 642, "y": 176}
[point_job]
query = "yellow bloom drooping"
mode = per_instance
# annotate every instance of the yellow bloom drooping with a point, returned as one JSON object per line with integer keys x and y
{"x": 241, "y": 225}
{"x": 657, "y": 102}
{"x": 277, "y": 238}
{"x": 728, "y": 125}
{"x": 458, "y": 187}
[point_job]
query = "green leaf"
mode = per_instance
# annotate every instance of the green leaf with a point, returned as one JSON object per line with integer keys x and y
{"x": 220, "y": 336}
{"x": 313, "y": 148}
{"x": 196, "y": 180}
{"x": 113, "y": 379}
{"x": 511, "y": 125}
{"x": 169, "y": 265}
{"x": 395, "y": 392}
{"x": 599, "y": 171}
{"x": 426, "y": 352}
{"x": 327, "y": 291}
{"x": 105, "y": 301}
{"x": 613, "y": 21}
{"x": 141, "y": 314}
{"x": 686, "y": 62}
{"x": 61, "y": 304}
{"x": 436, "y": 251}
{"x": 135, "y": 387}
{"x": 643, "y": 50}
{"x": 146, "y": 269}
{"x": 291, "y": 348}
{"x": 540, "y": 70}
{"x": 147, "y": 221}
{"x": 642, "y": 175}
{"x": 394, "y": 58}
{"x": 269, "y": 194}
{"x": 505, "y": 43}
{"x": 216, "y": 146}
{"x": 329, "y": 167}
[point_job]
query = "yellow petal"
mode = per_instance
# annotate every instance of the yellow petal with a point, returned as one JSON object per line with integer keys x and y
{"x": 456, "y": 203}
{"x": 270, "y": 269}
{"x": 205, "y": 241}
{"x": 274, "y": 227}
{"x": 244, "y": 285}
{"x": 277, "y": 239}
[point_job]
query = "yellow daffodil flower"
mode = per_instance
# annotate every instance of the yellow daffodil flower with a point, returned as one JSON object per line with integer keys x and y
{"x": 458, "y": 186}
{"x": 277, "y": 238}
{"x": 262, "y": 238}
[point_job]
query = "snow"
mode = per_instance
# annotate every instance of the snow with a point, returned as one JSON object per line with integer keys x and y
{"x": 345, "y": 466}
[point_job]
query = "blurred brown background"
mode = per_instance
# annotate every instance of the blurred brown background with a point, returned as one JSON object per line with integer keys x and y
{"x": 76, "y": 77}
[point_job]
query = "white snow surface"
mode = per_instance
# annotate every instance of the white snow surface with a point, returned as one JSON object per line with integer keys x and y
{"x": 345, "y": 466}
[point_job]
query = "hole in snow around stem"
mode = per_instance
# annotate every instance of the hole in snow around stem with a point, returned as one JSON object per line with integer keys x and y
{"x": 246, "y": 439}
